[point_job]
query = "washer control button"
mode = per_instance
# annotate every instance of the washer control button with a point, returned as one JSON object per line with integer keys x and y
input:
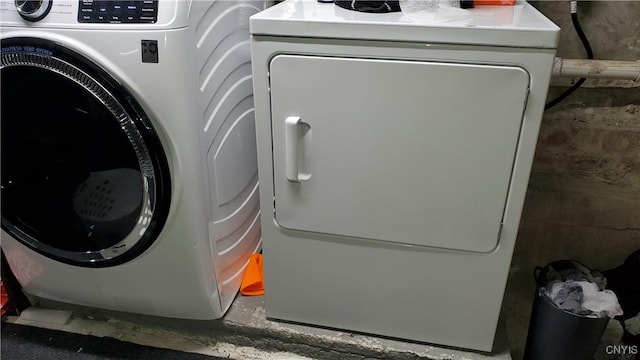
{"x": 33, "y": 10}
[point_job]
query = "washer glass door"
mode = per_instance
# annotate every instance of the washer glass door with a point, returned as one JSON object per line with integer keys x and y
{"x": 84, "y": 177}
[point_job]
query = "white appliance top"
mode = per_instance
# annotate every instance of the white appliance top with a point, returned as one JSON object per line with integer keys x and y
{"x": 520, "y": 25}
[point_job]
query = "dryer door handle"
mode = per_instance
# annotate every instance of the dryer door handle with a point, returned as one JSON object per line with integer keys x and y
{"x": 297, "y": 140}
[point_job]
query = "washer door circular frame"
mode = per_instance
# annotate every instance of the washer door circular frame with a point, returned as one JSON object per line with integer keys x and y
{"x": 150, "y": 215}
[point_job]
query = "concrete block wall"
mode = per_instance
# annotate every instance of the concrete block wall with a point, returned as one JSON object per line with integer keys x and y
{"x": 583, "y": 200}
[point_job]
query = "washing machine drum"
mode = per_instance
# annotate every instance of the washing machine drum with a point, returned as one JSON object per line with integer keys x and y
{"x": 84, "y": 178}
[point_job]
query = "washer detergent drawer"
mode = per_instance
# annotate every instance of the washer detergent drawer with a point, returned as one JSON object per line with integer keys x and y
{"x": 410, "y": 152}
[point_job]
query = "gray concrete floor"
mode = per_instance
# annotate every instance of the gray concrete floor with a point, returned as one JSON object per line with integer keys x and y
{"x": 245, "y": 333}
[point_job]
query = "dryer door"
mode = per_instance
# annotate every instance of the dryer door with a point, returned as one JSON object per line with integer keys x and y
{"x": 410, "y": 152}
{"x": 84, "y": 178}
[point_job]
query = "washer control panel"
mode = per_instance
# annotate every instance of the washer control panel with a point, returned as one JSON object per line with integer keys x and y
{"x": 97, "y": 14}
{"x": 115, "y": 11}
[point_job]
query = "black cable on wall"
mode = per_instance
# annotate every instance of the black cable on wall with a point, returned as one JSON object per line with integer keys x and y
{"x": 587, "y": 47}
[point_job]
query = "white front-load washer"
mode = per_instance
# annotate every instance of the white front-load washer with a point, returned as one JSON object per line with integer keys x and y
{"x": 129, "y": 176}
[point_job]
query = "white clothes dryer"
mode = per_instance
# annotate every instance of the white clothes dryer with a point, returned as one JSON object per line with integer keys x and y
{"x": 129, "y": 175}
{"x": 394, "y": 155}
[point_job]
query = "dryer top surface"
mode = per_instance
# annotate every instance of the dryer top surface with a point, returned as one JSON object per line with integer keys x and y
{"x": 520, "y": 25}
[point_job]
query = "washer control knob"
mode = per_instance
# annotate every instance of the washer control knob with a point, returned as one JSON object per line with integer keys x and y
{"x": 33, "y": 10}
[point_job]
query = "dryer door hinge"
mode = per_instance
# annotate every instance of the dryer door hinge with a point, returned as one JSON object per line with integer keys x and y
{"x": 500, "y": 231}
{"x": 526, "y": 99}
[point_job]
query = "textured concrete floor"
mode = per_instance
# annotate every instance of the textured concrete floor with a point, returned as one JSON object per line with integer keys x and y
{"x": 244, "y": 334}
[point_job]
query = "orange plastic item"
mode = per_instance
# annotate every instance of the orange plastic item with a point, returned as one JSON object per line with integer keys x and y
{"x": 4, "y": 298}
{"x": 494, "y": 2}
{"x": 253, "y": 279}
